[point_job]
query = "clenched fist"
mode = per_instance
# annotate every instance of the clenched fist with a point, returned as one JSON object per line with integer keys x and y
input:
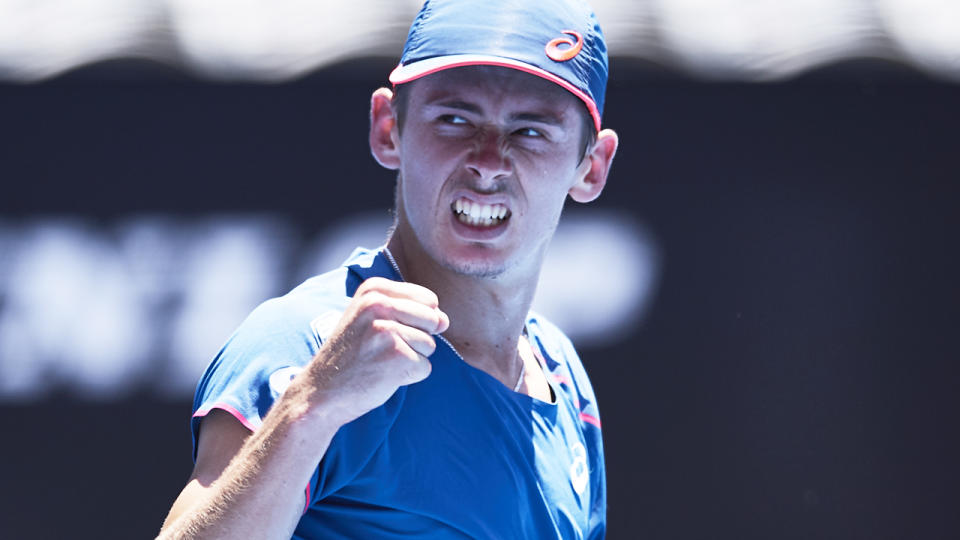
{"x": 381, "y": 343}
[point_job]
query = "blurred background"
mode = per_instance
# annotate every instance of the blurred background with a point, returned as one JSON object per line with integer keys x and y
{"x": 765, "y": 296}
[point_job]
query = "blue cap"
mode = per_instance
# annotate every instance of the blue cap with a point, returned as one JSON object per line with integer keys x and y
{"x": 559, "y": 40}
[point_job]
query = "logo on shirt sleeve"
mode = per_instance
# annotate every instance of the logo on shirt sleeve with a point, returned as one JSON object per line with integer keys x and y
{"x": 281, "y": 378}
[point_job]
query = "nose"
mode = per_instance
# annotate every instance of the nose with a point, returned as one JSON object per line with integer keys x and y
{"x": 488, "y": 160}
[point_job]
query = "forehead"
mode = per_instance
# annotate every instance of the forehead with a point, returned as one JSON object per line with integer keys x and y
{"x": 492, "y": 86}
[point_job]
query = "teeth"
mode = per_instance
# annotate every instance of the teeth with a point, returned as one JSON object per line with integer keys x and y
{"x": 479, "y": 214}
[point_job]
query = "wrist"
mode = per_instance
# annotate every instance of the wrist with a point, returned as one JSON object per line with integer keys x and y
{"x": 319, "y": 409}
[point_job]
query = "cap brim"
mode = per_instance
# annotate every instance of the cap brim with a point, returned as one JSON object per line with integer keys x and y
{"x": 406, "y": 73}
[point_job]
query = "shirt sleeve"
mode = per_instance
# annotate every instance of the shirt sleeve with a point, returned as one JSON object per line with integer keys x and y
{"x": 256, "y": 364}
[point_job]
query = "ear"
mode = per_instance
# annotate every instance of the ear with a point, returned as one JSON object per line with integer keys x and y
{"x": 595, "y": 167}
{"x": 384, "y": 136}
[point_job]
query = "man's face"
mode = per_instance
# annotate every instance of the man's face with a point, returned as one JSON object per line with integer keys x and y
{"x": 487, "y": 157}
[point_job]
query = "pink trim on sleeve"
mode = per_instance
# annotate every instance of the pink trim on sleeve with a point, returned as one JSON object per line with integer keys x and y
{"x": 229, "y": 409}
{"x": 590, "y": 419}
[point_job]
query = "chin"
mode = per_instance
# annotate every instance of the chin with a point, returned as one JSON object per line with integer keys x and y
{"x": 478, "y": 267}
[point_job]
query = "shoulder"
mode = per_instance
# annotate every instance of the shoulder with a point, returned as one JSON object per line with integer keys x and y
{"x": 293, "y": 315}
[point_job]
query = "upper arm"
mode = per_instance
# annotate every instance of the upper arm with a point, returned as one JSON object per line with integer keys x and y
{"x": 221, "y": 437}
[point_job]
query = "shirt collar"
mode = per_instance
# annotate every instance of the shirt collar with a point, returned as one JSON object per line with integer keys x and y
{"x": 367, "y": 263}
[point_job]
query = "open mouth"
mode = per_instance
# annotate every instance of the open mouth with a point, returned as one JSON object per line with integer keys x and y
{"x": 479, "y": 215}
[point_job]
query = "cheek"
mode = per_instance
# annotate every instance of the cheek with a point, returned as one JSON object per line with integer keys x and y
{"x": 427, "y": 163}
{"x": 545, "y": 208}
{"x": 420, "y": 192}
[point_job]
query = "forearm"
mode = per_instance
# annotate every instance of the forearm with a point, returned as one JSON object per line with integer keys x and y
{"x": 260, "y": 494}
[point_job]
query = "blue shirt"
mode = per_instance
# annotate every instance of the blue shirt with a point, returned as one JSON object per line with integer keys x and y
{"x": 457, "y": 455}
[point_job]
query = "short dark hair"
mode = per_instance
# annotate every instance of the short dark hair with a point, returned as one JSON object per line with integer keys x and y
{"x": 588, "y": 134}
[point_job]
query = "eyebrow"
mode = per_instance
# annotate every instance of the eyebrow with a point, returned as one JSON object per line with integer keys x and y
{"x": 457, "y": 104}
{"x": 548, "y": 119}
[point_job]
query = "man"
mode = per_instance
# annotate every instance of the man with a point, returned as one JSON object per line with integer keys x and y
{"x": 411, "y": 393}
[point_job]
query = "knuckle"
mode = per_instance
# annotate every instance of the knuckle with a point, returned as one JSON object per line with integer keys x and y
{"x": 364, "y": 287}
{"x": 383, "y": 335}
{"x": 373, "y": 282}
{"x": 371, "y": 286}
{"x": 398, "y": 346}
{"x": 431, "y": 297}
{"x": 374, "y": 303}
{"x": 381, "y": 327}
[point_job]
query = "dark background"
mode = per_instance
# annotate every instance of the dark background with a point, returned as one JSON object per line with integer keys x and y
{"x": 796, "y": 376}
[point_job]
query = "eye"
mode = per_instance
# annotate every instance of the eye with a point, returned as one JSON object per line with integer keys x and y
{"x": 529, "y": 132}
{"x": 453, "y": 119}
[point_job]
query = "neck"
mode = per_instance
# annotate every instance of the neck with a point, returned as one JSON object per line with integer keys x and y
{"x": 487, "y": 314}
